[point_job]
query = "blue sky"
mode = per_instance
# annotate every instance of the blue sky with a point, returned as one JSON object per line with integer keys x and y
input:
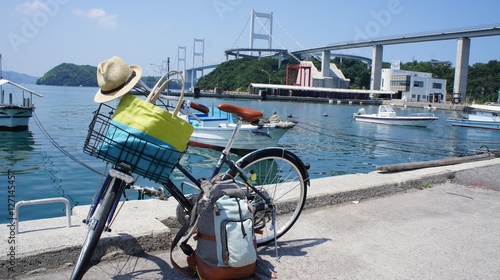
{"x": 37, "y": 35}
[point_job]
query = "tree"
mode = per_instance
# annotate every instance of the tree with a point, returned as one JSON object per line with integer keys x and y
{"x": 68, "y": 74}
{"x": 483, "y": 81}
{"x": 239, "y": 73}
{"x": 357, "y": 71}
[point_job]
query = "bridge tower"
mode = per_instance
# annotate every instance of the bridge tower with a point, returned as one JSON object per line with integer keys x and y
{"x": 181, "y": 60}
{"x": 268, "y": 36}
{"x": 198, "y": 50}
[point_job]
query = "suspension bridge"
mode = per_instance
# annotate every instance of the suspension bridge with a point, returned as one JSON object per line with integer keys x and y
{"x": 325, "y": 53}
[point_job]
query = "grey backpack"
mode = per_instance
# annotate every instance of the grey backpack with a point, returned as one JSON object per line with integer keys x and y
{"x": 226, "y": 246}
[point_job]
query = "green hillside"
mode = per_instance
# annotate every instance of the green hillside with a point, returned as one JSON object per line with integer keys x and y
{"x": 239, "y": 73}
{"x": 68, "y": 74}
{"x": 482, "y": 84}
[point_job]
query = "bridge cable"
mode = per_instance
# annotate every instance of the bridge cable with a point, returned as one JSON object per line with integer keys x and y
{"x": 241, "y": 33}
{"x": 288, "y": 34}
{"x": 276, "y": 41}
{"x": 269, "y": 33}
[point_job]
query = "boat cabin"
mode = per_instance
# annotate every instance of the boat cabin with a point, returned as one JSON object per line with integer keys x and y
{"x": 386, "y": 111}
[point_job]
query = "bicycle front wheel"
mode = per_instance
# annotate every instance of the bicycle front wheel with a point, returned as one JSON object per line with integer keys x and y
{"x": 96, "y": 226}
{"x": 281, "y": 177}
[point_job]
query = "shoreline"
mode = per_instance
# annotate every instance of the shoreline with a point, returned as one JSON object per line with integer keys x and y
{"x": 394, "y": 102}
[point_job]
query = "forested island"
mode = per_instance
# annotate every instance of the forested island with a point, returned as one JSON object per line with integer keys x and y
{"x": 68, "y": 74}
{"x": 482, "y": 84}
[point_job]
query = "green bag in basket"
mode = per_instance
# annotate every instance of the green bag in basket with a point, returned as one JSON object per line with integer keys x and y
{"x": 150, "y": 120}
{"x": 145, "y": 138}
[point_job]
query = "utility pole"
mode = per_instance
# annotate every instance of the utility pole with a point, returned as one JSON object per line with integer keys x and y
{"x": 269, "y": 76}
{"x": 168, "y": 70}
{"x": 498, "y": 98}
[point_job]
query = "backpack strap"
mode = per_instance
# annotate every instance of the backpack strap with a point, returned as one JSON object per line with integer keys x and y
{"x": 190, "y": 224}
{"x": 190, "y": 270}
{"x": 205, "y": 236}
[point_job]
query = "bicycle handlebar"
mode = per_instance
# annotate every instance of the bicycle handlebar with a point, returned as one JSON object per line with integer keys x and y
{"x": 200, "y": 107}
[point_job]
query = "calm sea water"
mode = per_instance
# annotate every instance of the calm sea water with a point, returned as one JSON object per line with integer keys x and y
{"x": 326, "y": 137}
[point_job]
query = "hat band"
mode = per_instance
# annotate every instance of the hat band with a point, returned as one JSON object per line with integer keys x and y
{"x": 120, "y": 86}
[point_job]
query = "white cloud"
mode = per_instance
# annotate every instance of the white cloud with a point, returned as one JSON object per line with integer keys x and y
{"x": 30, "y": 8}
{"x": 98, "y": 15}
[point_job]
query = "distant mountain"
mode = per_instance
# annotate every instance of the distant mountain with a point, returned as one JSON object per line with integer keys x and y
{"x": 69, "y": 74}
{"x": 19, "y": 78}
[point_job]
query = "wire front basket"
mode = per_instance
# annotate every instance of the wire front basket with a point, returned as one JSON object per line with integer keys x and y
{"x": 105, "y": 140}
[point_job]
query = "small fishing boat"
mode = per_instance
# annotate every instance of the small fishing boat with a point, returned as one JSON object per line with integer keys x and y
{"x": 387, "y": 115}
{"x": 479, "y": 116}
{"x": 15, "y": 116}
{"x": 213, "y": 128}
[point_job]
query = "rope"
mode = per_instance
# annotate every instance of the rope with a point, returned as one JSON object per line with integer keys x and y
{"x": 54, "y": 143}
{"x": 354, "y": 142}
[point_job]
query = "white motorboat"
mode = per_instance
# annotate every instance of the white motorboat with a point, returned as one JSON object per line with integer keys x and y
{"x": 15, "y": 116}
{"x": 387, "y": 115}
{"x": 213, "y": 130}
{"x": 479, "y": 116}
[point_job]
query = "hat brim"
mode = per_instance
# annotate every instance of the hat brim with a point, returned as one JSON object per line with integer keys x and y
{"x": 102, "y": 98}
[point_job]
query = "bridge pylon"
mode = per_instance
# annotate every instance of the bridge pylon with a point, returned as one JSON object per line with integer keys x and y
{"x": 181, "y": 60}
{"x": 198, "y": 51}
{"x": 268, "y": 36}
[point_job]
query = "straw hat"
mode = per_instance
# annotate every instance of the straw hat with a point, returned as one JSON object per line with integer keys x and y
{"x": 115, "y": 78}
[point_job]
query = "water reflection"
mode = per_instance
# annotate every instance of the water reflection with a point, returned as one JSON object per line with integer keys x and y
{"x": 16, "y": 148}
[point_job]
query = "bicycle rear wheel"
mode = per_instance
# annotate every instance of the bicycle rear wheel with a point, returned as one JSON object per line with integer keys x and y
{"x": 281, "y": 177}
{"x": 96, "y": 226}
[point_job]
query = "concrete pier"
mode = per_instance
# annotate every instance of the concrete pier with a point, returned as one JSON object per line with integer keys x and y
{"x": 46, "y": 249}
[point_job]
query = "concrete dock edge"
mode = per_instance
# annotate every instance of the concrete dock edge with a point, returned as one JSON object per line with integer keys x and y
{"x": 145, "y": 226}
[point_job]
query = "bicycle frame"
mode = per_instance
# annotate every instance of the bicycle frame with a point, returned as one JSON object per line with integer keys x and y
{"x": 223, "y": 159}
{"x": 270, "y": 163}
{"x": 126, "y": 180}
{"x": 123, "y": 179}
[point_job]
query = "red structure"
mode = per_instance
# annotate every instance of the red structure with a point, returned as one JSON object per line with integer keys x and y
{"x": 298, "y": 75}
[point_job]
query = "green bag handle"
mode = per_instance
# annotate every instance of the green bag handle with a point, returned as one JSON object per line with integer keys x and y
{"x": 160, "y": 86}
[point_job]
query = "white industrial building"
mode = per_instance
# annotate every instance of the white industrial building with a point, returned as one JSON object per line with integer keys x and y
{"x": 413, "y": 86}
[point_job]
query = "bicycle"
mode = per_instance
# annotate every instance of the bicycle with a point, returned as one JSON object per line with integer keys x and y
{"x": 275, "y": 181}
